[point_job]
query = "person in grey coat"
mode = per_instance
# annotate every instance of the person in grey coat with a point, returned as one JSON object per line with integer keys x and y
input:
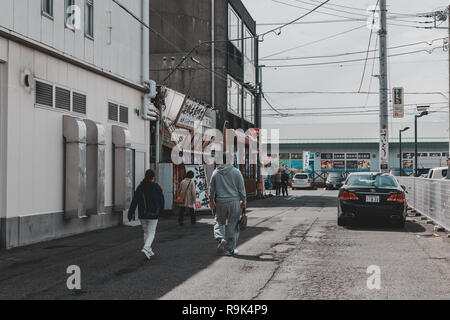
{"x": 228, "y": 198}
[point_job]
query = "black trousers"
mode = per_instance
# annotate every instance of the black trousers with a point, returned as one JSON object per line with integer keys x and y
{"x": 182, "y": 211}
{"x": 284, "y": 187}
{"x": 278, "y": 188}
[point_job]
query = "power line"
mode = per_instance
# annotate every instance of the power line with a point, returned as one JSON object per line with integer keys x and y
{"x": 353, "y": 108}
{"x": 271, "y": 106}
{"x": 314, "y": 42}
{"x": 372, "y": 74}
{"x": 295, "y": 20}
{"x": 368, "y": 48}
{"x": 346, "y": 61}
{"x": 350, "y": 53}
{"x": 352, "y": 18}
{"x": 350, "y": 92}
{"x": 364, "y": 10}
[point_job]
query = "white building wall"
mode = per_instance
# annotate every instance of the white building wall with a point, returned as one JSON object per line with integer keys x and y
{"x": 31, "y": 140}
{"x": 120, "y": 56}
{"x": 35, "y": 135}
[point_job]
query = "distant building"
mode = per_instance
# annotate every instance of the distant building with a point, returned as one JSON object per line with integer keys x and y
{"x": 180, "y": 59}
{"x": 351, "y": 147}
{"x": 72, "y": 143}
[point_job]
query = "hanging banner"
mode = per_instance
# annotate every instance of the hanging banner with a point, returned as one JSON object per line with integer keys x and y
{"x": 384, "y": 150}
{"x": 201, "y": 183}
{"x": 306, "y": 158}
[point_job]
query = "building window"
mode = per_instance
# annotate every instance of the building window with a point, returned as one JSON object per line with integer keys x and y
{"x": 249, "y": 45}
{"x": 47, "y": 7}
{"x": 249, "y": 106}
{"x": 234, "y": 96}
{"x": 234, "y": 28}
{"x": 89, "y": 18}
{"x": 69, "y": 14}
{"x": 117, "y": 113}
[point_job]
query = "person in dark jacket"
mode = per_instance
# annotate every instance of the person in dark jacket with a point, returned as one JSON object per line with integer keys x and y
{"x": 149, "y": 200}
{"x": 284, "y": 183}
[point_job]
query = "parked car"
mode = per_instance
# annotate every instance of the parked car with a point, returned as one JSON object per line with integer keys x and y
{"x": 372, "y": 195}
{"x": 301, "y": 181}
{"x": 438, "y": 173}
{"x": 335, "y": 180}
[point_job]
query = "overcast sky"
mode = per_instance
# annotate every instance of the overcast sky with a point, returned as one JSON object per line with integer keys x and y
{"x": 420, "y": 72}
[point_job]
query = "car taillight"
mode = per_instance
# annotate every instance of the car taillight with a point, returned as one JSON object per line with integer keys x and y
{"x": 292, "y": 181}
{"x": 345, "y": 196}
{"x": 398, "y": 197}
{"x": 309, "y": 180}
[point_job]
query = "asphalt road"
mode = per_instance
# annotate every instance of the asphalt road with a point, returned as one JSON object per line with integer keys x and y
{"x": 292, "y": 249}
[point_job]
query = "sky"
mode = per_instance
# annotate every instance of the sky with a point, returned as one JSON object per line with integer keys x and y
{"x": 416, "y": 73}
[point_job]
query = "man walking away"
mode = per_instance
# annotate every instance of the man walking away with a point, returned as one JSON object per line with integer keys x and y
{"x": 227, "y": 198}
{"x": 278, "y": 183}
{"x": 149, "y": 199}
{"x": 188, "y": 195}
{"x": 285, "y": 183}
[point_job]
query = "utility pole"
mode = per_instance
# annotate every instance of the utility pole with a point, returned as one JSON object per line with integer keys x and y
{"x": 384, "y": 114}
{"x": 213, "y": 54}
{"x": 448, "y": 49}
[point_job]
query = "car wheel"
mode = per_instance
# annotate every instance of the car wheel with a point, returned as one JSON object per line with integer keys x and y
{"x": 401, "y": 223}
{"x": 341, "y": 222}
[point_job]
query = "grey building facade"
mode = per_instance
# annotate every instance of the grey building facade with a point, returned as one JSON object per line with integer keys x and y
{"x": 184, "y": 26}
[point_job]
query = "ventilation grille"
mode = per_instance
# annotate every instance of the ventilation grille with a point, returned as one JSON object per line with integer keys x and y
{"x": 62, "y": 99}
{"x": 79, "y": 103}
{"x": 44, "y": 94}
{"x": 123, "y": 114}
{"x": 113, "y": 113}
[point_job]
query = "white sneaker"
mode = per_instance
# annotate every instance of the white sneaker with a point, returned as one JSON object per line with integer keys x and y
{"x": 146, "y": 253}
{"x": 152, "y": 254}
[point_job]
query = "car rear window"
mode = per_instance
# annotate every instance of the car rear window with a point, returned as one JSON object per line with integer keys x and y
{"x": 372, "y": 181}
{"x": 335, "y": 175}
{"x": 301, "y": 176}
{"x": 444, "y": 173}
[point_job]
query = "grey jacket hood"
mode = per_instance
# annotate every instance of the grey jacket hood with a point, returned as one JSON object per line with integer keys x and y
{"x": 227, "y": 184}
{"x": 225, "y": 169}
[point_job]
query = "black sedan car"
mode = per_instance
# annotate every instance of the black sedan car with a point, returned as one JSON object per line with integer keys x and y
{"x": 373, "y": 196}
{"x": 335, "y": 180}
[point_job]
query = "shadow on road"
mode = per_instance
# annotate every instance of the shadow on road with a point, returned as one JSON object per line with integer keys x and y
{"x": 310, "y": 201}
{"x": 410, "y": 227}
{"x": 112, "y": 266}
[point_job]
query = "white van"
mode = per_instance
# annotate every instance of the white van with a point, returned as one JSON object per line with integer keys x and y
{"x": 438, "y": 173}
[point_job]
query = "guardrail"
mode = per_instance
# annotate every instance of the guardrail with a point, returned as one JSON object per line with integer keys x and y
{"x": 429, "y": 197}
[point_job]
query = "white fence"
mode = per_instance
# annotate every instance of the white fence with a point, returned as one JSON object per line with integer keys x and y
{"x": 429, "y": 197}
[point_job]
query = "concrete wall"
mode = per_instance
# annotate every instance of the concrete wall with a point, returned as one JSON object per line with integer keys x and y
{"x": 185, "y": 23}
{"x": 118, "y": 56}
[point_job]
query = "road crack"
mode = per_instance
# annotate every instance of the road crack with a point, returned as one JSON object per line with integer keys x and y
{"x": 283, "y": 257}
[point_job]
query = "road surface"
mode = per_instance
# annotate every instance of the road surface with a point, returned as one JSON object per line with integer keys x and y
{"x": 292, "y": 249}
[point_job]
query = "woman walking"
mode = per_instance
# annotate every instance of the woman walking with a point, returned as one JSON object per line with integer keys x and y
{"x": 149, "y": 200}
{"x": 186, "y": 198}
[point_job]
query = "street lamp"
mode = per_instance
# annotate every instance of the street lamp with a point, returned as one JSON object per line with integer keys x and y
{"x": 401, "y": 154}
{"x": 424, "y": 113}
